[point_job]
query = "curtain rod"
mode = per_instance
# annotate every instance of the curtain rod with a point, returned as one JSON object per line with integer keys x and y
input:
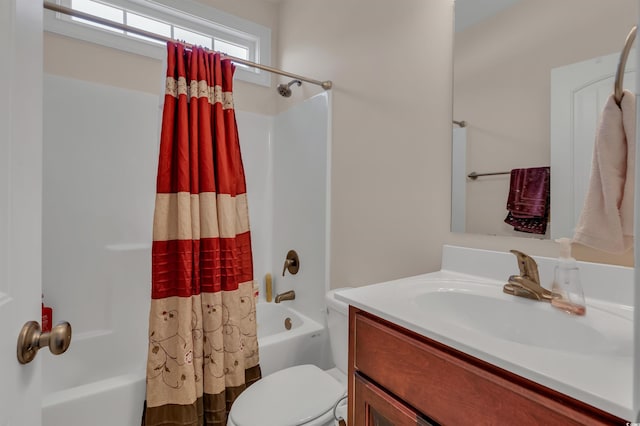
{"x": 326, "y": 85}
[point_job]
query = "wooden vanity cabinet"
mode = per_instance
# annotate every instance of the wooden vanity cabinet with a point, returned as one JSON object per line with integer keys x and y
{"x": 400, "y": 378}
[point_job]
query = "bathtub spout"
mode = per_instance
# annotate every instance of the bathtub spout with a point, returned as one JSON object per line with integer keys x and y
{"x": 287, "y": 295}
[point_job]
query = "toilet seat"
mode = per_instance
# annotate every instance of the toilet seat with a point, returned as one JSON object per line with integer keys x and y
{"x": 291, "y": 397}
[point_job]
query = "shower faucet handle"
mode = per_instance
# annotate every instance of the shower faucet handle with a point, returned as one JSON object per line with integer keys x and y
{"x": 291, "y": 263}
{"x": 287, "y": 264}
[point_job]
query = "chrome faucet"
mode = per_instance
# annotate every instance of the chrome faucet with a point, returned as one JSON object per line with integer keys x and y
{"x": 287, "y": 295}
{"x": 527, "y": 284}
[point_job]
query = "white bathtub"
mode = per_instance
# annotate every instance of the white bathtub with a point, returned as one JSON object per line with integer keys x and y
{"x": 307, "y": 342}
{"x": 90, "y": 388}
{"x": 114, "y": 401}
{"x": 100, "y": 381}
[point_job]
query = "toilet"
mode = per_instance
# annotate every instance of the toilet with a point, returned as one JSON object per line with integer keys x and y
{"x": 303, "y": 395}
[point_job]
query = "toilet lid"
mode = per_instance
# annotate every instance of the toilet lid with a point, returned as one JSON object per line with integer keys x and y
{"x": 289, "y": 397}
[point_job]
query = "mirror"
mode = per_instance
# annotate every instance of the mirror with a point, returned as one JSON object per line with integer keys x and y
{"x": 521, "y": 92}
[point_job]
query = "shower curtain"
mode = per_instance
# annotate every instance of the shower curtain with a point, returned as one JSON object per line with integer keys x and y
{"x": 203, "y": 348}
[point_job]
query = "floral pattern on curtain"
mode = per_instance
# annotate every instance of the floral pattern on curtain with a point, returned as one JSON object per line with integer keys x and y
{"x": 203, "y": 348}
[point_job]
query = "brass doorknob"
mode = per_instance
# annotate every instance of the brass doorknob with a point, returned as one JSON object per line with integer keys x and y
{"x": 31, "y": 339}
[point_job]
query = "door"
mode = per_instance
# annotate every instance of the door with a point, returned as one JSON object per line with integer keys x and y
{"x": 374, "y": 407}
{"x": 578, "y": 94}
{"x": 20, "y": 203}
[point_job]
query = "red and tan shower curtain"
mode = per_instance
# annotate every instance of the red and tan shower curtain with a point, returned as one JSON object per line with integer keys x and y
{"x": 203, "y": 348}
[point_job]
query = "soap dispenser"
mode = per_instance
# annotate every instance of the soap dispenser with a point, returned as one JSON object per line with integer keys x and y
{"x": 567, "y": 290}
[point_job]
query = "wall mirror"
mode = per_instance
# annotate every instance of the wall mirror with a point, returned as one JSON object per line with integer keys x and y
{"x": 530, "y": 80}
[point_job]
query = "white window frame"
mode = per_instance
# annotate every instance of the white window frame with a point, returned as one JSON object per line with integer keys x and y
{"x": 183, "y": 13}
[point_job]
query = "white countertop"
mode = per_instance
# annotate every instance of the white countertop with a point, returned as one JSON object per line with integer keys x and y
{"x": 597, "y": 376}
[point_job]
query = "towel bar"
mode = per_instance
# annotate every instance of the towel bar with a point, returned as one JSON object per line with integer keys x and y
{"x": 624, "y": 55}
{"x": 474, "y": 175}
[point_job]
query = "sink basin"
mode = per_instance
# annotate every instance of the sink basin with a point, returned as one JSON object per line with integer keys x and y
{"x": 528, "y": 322}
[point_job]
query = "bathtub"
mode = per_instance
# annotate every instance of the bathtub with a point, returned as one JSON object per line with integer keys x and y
{"x": 108, "y": 402}
{"x": 306, "y": 342}
{"x": 99, "y": 381}
{"x": 81, "y": 391}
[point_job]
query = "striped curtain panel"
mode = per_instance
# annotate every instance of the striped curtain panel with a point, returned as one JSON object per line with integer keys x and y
{"x": 203, "y": 348}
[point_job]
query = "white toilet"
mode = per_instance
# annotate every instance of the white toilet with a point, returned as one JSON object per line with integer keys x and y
{"x": 303, "y": 395}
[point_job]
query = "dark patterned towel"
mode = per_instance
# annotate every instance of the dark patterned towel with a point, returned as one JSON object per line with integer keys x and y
{"x": 528, "y": 202}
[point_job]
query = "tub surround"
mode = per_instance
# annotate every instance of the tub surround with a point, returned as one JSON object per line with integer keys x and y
{"x": 96, "y": 248}
{"x": 301, "y": 194}
{"x": 527, "y": 338}
{"x": 107, "y": 262}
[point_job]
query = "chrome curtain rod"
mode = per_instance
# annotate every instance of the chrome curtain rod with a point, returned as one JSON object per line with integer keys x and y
{"x": 326, "y": 85}
{"x": 617, "y": 90}
{"x": 474, "y": 175}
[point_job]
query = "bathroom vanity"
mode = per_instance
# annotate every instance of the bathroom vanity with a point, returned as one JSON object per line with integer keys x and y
{"x": 398, "y": 377}
{"x": 450, "y": 348}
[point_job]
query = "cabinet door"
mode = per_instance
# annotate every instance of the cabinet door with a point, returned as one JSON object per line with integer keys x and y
{"x": 375, "y": 407}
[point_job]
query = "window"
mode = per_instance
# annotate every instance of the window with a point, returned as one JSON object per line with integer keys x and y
{"x": 194, "y": 23}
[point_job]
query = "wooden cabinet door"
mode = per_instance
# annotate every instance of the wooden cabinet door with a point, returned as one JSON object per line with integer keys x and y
{"x": 375, "y": 407}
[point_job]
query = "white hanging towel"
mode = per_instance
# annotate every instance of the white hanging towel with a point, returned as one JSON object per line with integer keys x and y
{"x": 606, "y": 220}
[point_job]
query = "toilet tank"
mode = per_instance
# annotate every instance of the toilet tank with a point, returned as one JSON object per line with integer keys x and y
{"x": 338, "y": 323}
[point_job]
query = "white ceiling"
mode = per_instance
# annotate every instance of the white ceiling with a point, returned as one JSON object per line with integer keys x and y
{"x": 470, "y": 12}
